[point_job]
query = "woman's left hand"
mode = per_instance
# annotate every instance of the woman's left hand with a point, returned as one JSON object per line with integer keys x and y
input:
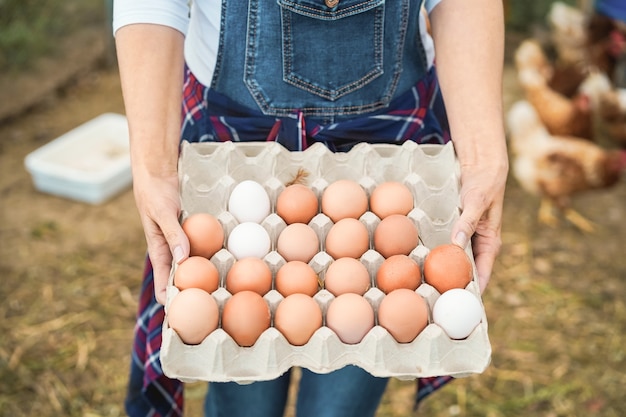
{"x": 469, "y": 50}
{"x": 481, "y": 197}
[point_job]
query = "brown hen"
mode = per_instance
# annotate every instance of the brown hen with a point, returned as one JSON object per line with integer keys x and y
{"x": 560, "y": 115}
{"x": 564, "y": 78}
{"x": 609, "y": 107}
{"x": 557, "y": 168}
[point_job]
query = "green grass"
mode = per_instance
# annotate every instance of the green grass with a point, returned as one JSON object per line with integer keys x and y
{"x": 30, "y": 29}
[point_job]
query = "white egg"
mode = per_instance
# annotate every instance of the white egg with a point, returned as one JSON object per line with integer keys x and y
{"x": 457, "y": 312}
{"x": 249, "y": 202}
{"x": 249, "y": 239}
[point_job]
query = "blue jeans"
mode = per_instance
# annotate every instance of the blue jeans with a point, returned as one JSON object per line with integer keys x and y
{"x": 347, "y": 392}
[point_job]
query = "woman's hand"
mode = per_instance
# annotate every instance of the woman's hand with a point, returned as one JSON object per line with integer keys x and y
{"x": 158, "y": 203}
{"x": 469, "y": 51}
{"x": 482, "y": 195}
{"x": 150, "y": 59}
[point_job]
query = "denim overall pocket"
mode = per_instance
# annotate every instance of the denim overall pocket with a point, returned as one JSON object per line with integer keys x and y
{"x": 321, "y": 60}
{"x": 313, "y": 32}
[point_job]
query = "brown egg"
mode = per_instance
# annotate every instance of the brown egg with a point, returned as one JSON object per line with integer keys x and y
{"x": 351, "y": 317}
{"x": 298, "y": 242}
{"x": 297, "y": 203}
{"x": 395, "y": 234}
{"x": 296, "y": 277}
{"x": 347, "y": 238}
{"x": 251, "y": 274}
{"x": 404, "y": 313}
{"x": 344, "y": 198}
{"x": 245, "y": 317}
{"x": 193, "y": 314}
{"x": 346, "y": 275}
{"x": 196, "y": 272}
{"x": 446, "y": 267}
{"x": 391, "y": 197}
{"x": 205, "y": 234}
{"x": 398, "y": 271}
{"x": 297, "y": 317}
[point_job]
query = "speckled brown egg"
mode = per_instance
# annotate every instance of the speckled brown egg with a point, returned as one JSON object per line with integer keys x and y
{"x": 447, "y": 266}
{"x": 398, "y": 271}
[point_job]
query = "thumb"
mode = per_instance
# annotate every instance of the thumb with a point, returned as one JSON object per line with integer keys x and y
{"x": 168, "y": 245}
{"x": 473, "y": 207}
{"x": 464, "y": 228}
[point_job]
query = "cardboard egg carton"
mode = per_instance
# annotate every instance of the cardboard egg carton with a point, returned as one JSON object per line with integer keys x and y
{"x": 209, "y": 172}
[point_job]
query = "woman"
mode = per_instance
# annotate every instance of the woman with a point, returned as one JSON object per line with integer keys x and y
{"x": 300, "y": 72}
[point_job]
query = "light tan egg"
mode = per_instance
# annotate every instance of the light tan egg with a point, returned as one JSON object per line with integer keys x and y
{"x": 404, "y": 313}
{"x": 351, "y": 317}
{"x": 347, "y": 238}
{"x": 196, "y": 272}
{"x": 193, "y": 314}
{"x": 205, "y": 234}
{"x": 246, "y": 315}
{"x": 296, "y": 277}
{"x": 391, "y": 197}
{"x": 398, "y": 271}
{"x": 344, "y": 198}
{"x": 298, "y": 242}
{"x": 395, "y": 234}
{"x": 446, "y": 267}
{"x": 346, "y": 275}
{"x": 252, "y": 274}
{"x": 297, "y": 317}
{"x": 297, "y": 203}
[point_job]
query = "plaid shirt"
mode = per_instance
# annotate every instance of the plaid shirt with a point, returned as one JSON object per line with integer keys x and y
{"x": 417, "y": 115}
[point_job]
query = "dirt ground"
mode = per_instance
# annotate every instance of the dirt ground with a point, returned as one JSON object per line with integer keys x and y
{"x": 71, "y": 276}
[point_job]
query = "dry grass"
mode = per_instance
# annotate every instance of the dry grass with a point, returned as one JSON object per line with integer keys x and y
{"x": 70, "y": 279}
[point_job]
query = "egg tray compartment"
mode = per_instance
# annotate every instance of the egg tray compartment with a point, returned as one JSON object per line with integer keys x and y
{"x": 209, "y": 171}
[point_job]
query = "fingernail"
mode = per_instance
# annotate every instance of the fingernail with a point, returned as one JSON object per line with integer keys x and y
{"x": 178, "y": 254}
{"x": 461, "y": 239}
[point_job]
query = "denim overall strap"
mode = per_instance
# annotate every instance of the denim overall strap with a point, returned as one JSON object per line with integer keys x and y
{"x": 327, "y": 62}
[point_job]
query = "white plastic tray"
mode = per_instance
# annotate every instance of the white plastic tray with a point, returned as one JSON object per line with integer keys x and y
{"x": 90, "y": 163}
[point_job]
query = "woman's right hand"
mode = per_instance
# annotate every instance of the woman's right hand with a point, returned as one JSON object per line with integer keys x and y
{"x": 158, "y": 203}
{"x": 150, "y": 59}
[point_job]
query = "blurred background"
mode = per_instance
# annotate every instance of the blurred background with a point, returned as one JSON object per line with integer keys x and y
{"x": 71, "y": 272}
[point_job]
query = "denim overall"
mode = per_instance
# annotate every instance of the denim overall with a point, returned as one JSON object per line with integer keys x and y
{"x": 330, "y": 63}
